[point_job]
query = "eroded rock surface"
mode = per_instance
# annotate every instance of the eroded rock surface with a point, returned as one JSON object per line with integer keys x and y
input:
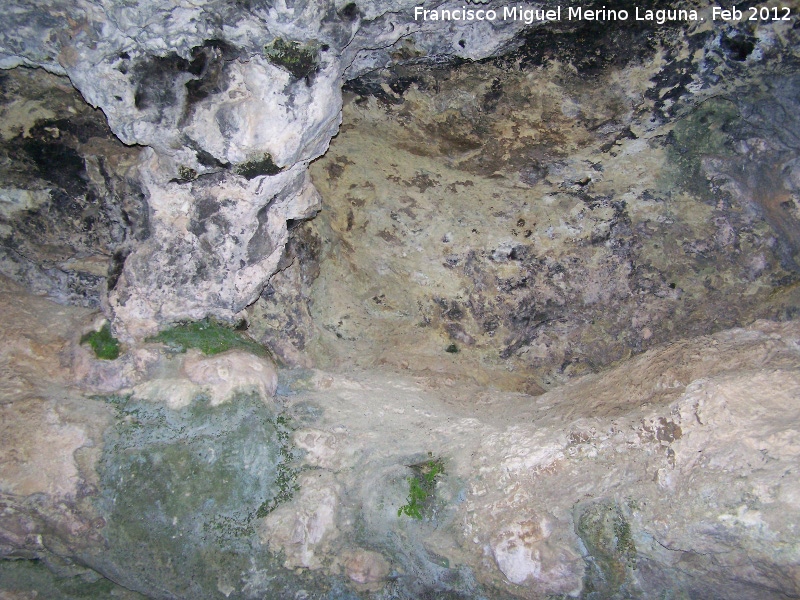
{"x": 600, "y": 489}
{"x": 529, "y": 219}
{"x": 71, "y": 206}
{"x": 232, "y": 102}
{"x": 669, "y": 475}
{"x": 551, "y": 246}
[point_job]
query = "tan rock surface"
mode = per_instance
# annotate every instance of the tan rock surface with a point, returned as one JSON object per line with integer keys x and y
{"x": 670, "y": 471}
{"x": 684, "y": 454}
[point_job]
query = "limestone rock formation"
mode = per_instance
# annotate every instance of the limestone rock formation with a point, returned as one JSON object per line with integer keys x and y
{"x": 536, "y": 219}
{"x": 232, "y": 102}
{"x": 71, "y": 205}
{"x": 537, "y": 342}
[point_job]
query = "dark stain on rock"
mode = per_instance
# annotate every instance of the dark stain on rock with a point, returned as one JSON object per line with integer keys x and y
{"x": 668, "y": 431}
{"x": 492, "y": 97}
{"x": 399, "y": 85}
{"x": 260, "y": 245}
{"x": 79, "y": 217}
{"x": 365, "y": 86}
{"x": 453, "y": 187}
{"x": 349, "y": 12}
{"x": 299, "y": 60}
{"x": 58, "y": 163}
{"x": 204, "y": 209}
{"x": 156, "y": 78}
{"x": 423, "y": 181}
{"x": 388, "y": 236}
{"x": 592, "y": 46}
{"x": 738, "y": 46}
{"x": 115, "y": 267}
{"x": 334, "y": 170}
{"x": 400, "y": 76}
{"x": 208, "y": 66}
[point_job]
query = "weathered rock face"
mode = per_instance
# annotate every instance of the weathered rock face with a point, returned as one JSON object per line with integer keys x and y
{"x": 670, "y": 475}
{"x": 233, "y": 101}
{"x": 244, "y": 96}
{"x": 505, "y": 230}
{"x": 526, "y": 220}
{"x": 71, "y": 205}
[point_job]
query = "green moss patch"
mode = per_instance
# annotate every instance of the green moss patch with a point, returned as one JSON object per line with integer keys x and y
{"x": 299, "y": 60}
{"x": 703, "y": 133}
{"x": 421, "y": 488}
{"x": 611, "y": 552}
{"x": 34, "y": 579}
{"x": 286, "y": 474}
{"x": 208, "y": 336}
{"x": 187, "y": 173}
{"x": 263, "y": 165}
{"x": 105, "y": 345}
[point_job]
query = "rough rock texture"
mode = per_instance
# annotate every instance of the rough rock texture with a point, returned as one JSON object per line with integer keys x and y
{"x": 231, "y": 372}
{"x": 89, "y": 478}
{"x": 529, "y": 219}
{"x": 70, "y": 205}
{"x": 670, "y": 475}
{"x": 233, "y": 100}
{"x": 50, "y": 438}
{"x": 587, "y": 214}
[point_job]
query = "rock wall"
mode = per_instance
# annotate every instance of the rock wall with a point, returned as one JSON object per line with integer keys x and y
{"x": 225, "y": 105}
{"x": 671, "y": 475}
{"x": 551, "y": 242}
{"x": 71, "y": 206}
{"x": 543, "y": 215}
{"x": 231, "y": 102}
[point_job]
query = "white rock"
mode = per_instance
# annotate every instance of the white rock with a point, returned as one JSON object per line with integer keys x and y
{"x": 304, "y": 527}
{"x": 223, "y": 375}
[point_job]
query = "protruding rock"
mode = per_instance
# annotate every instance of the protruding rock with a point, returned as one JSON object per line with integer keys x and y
{"x": 223, "y": 375}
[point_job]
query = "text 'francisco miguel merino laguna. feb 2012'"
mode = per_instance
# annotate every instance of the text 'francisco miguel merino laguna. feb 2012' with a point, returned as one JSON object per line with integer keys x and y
{"x": 578, "y": 13}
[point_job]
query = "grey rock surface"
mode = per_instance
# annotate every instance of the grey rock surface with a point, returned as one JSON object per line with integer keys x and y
{"x": 71, "y": 205}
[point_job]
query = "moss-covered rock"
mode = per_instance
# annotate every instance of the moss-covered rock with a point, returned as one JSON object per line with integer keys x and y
{"x": 209, "y": 336}
{"x": 105, "y": 345}
{"x": 37, "y": 579}
{"x": 299, "y": 60}
{"x": 263, "y": 165}
{"x": 421, "y": 489}
{"x": 182, "y": 490}
{"x": 702, "y": 134}
{"x": 611, "y": 552}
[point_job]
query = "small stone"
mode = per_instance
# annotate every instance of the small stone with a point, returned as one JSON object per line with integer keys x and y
{"x": 365, "y": 566}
